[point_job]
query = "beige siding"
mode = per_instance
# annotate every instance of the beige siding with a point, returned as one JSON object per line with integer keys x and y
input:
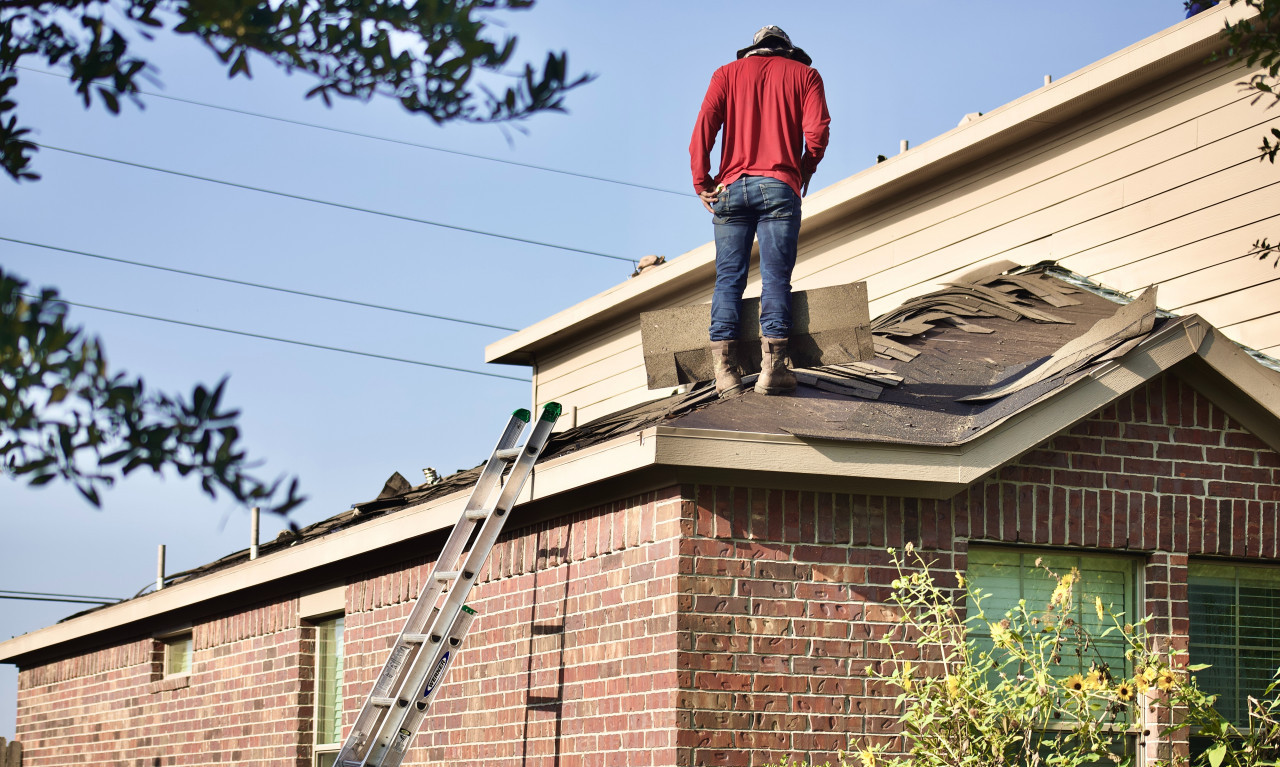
{"x": 1162, "y": 189}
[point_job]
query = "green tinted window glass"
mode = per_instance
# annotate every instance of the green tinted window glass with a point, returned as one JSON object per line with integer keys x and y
{"x": 1235, "y": 628}
{"x": 1008, "y": 575}
{"x": 329, "y": 681}
{"x": 177, "y": 655}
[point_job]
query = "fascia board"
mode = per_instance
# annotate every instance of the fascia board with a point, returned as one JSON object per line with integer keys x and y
{"x": 558, "y": 475}
{"x": 1245, "y": 389}
{"x": 1058, "y": 411}
{"x": 745, "y": 451}
{"x": 1184, "y": 43}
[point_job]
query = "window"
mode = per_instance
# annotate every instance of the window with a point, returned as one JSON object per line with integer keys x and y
{"x": 328, "y": 690}
{"x": 1008, "y": 575}
{"x": 177, "y": 655}
{"x": 1235, "y": 628}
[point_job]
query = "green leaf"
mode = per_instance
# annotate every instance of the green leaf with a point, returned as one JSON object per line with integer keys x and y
{"x": 1199, "y": 666}
{"x": 1215, "y": 753}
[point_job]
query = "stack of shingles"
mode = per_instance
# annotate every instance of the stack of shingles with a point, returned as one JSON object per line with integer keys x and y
{"x": 1000, "y": 295}
{"x": 858, "y": 379}
{"x": 978, "y": 295}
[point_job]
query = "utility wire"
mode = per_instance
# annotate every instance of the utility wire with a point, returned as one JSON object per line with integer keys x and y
{"x": 100, "y": 599}
{"x": 255, "y": 284}
{"x": 284, "y": 340}
{"x": 389, "y": 140}
{"x": 54, "y": 599}
{"x": 338, "y": 204}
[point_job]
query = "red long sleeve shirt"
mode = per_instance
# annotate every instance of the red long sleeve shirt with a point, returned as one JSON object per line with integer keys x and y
{"x": 774, "y": 114}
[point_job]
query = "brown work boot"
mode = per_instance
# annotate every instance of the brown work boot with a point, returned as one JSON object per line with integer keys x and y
{"x": 724, "y": 357}
{"x": 774, "y": 378}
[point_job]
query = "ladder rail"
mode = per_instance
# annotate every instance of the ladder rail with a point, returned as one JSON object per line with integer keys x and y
{"x": 403, "y": 655}
{"x": 396, "y": 748}
{"x": 479, "y": 552}
{"x": 432, "y": 635}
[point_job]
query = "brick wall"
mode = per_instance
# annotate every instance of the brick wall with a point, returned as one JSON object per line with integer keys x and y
{"x": 572, "y": 658}
{"x": 243, "y": 702}
{"x": 699, "y": 625}
{"x": 783, "y": 592}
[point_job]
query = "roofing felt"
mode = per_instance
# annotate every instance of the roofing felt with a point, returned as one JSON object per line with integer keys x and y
{"x": 996, "y": 330}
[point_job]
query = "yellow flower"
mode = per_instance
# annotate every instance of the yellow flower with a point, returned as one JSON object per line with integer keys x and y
{"x": 867, "y": 757}
{"x": 1093, "y": 680}
{"x": 1000, "y": 635}
{"x": 1150, "y": 673}
{"x": 1075, "y": 683}
{"x": 953, "y": 686}
{"x": 960, "y": 580}
{"x": 1166, "y": 680}
{"x": 1062, "y": 592}
{"x": 1140, "y": 682}
{"x": 1125, "y": 691}
{"x": 1097, "y": 606}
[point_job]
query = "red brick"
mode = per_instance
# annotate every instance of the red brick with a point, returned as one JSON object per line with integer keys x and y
{"x": 1131, "y": 482}
{"x": 1260, "y": 476}
{"x": 1180, "y": 452}
{"x": 1079, "y": 478}
{"x": 1243, "y": 439}
{"x": 1180, "y": 486}
{"x": 1135, "y": 448}
{"x": 1231, "y": 490}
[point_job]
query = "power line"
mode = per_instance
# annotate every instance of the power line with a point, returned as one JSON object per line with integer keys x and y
{"x": 389, "y": 140}
{"x": 337, "y": 204}
{"x": 256, "y": 285}
{"x": 55, "y": 594}
{"x": 54, "y": 599}
{"x": 40, "y": 596}
{"x": 284, "y": 340}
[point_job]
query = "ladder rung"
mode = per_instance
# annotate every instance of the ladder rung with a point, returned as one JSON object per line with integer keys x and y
{"x": 414, "y": 638}
{"x": 447, "y": 575}
{"x": 382, "y": 702}
{"x": 478, "y": 514}
{"x": 510, "y": 454}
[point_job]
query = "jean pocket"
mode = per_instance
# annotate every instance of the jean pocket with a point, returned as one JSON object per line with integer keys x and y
{"x": 779, "y": 200}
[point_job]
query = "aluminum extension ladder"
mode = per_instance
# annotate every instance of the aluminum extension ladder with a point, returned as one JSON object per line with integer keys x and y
{"x": 433, "y": 633}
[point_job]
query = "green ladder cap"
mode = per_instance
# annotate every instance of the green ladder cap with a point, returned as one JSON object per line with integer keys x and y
{"x": 466, "y": 609}
{"x": 523, "y": 414}
{"x": 551, "y": 411}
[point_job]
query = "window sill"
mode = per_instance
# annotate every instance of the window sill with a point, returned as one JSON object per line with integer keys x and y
{"x": 170, "y": 683}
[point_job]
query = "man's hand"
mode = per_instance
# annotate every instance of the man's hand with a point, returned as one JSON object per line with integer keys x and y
{"x": 708, "y": 199}
{"x": 711, "y": 198}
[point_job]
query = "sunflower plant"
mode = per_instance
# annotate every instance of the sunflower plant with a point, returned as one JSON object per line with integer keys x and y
{"x": 1029, "y": 687}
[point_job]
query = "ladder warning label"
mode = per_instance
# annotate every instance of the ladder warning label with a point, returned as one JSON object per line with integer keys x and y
{"x": 391, "y": 671}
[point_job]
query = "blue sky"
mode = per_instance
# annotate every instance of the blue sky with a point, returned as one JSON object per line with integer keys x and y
{"x": 908, "y": 69}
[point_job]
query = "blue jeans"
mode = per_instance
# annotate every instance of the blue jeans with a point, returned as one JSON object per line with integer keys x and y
{"x": 750, "y": 206}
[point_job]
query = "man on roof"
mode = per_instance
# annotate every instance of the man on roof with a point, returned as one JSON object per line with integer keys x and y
{"x": 771, "y": 104}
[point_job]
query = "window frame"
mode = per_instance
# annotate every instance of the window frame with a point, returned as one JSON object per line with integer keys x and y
{"x": 1235, "y": 572}
{"x": 168, "y": 643}
{"x": 322, "y": 749}
{"x": 1135, "y": 593}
